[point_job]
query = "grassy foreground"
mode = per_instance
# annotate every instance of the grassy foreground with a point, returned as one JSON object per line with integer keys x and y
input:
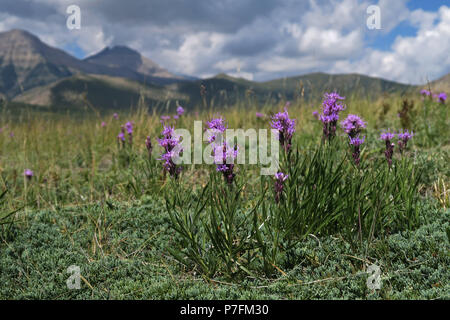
{"x": 122, "y": 251}
{"x": 105, "y": 209}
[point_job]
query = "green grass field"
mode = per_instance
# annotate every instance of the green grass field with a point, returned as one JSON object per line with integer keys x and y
{"x": 137, "y": 233}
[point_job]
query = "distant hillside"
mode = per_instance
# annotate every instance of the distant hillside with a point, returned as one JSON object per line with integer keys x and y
{"x": 315, "y": 84}
{"x": 223, "y": 89}
{"x": 105, "y": 92}
{"x": 99, "y": 91}
{"x": 440, "y": 85}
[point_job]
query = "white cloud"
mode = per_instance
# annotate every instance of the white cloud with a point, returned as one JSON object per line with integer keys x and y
{"x": 339, "y": 15}
{"x": 197, "y": 52}
{"x": 260, "y": 39}
{"x": 423, "y": 19}
{"x": 330, "y": 43}
{"x": 411, "y": 59}
{"x": 392, "y": 13}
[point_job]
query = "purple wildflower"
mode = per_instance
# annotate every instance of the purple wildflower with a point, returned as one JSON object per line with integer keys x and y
{"x": 389, "y": 152}
{"x": 218, "y": 123}
{"x": 442, "y": 97}
{"x": 164, "y": 119}
{"x": 121, "y": 137}
{"x": 353, "y": 125}
{"x": 103, "y": 124}
{"x": 316, "y": 114}
{"x": 224, "y": 157}
{"x": 169, "y": 141}
{"x": 285, "y": 127}
{"x": 11, "y": 134}
{"x": 387, "y": 136}
{"x": 280, "y": 177}
{"x": 331, "y": 107}
{"x": 176, "y": 117}
{"x": 215, "y": 126}
{"x": 425, "y": 93}
{"x": 28, "y": 174}
{"x": 260, "y": 115}
{"x": 116, "y": 116}
{"x": 180, "y": 110}
{"x": 356, "y": 142}
{"x": 403, "y": 138}
{"x": 169, "y": 165}
{"x": 129, "y": 128}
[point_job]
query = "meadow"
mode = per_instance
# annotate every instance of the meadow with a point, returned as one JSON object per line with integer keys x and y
{"x": 74, "y": 191}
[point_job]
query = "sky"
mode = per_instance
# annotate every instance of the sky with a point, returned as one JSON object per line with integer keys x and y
{"x": 253, "y": 39}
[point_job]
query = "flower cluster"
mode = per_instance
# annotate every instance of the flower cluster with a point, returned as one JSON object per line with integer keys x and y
{"x": 128, "y": 127}
{"x": 425, "y": 93}
{"x": 180, "y": 112}
{"x": 353, "y": 125}
{"x": 285, "y": 127}
{"x": 403, "y": 138}
{"x": 164, "y": 119}
{"x": 441, "y": 97}
{"x": 121, "y": 136}
{"x": 169, "y": 141}
{"x": 224, "y": 156}
{"x": 331, "y": 107}
{"x": 356, "y": 142}
{"x": 280, "y": 178}
{"x": 215, "y": 127}
{"x": 389, "y": 152}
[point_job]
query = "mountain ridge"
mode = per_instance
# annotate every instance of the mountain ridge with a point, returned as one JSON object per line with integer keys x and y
{"x": 33, "y": 72}
{"x": 27, "y": 62}
{"x": 125, "y": 57}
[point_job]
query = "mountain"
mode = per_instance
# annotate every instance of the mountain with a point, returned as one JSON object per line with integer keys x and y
{"x": 226, "y": 90}
{"x": 124, "y": 58}
{"x": 315, "y": 84}
{"x": 26, "y": 62}
{"x": 32, "y": 72}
